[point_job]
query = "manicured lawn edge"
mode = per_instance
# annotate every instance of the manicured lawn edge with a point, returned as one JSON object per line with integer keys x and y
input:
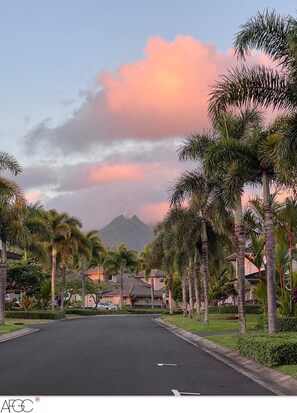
{"x": 9, "y": 328}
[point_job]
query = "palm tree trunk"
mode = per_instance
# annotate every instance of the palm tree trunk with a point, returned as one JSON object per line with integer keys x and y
{"x": 83, "y": 290}
{"x": 291, "y": 271}
{"x": 240, "y": 257}
{"x": 3, "y": 275}
{"x": 54, "y": 265}
{"x": 152, "y": 291}
{"x": 184, "y": 292}
{"x": 270, "y": 256}
{"x": 197, "y": 285}
{"x": 205, "y": 269}
{"x": 121, "y": 289}
{"x": 63, "y": 289}
{"x": 191, "y": 277}
{"x": 170, "y": 293}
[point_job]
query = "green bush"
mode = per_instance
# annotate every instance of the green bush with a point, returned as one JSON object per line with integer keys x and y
{"x": 286, "y": 324}
{"x": 46, "y": 315}
{"x": 233, "y": 309}
{"x": 283, "y": 324}
{"x": 87, "y": 312}
{"x": 268, "y": 350}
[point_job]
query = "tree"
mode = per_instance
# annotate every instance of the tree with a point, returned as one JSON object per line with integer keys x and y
{"x": 119, "y": 261}
{"x": 227, "y": 159}
{"x": 90, "y": 256}
{"x": 209, "y": 207}
{"x": 60, "y": 226}
{"x": 276, "y": 36}
{"x": 11, "y": 206}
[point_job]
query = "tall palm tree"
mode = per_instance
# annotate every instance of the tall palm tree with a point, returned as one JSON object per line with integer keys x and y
{"x": 11, "y": 207}
{"x": 210, "y": 210}
{"x": 276, "y": 36}
{"x": 227, "y": 159}
{"x": 60, "y": 225}
{"x": 119, "y": 261}
{"x": 90, "y": 257}
{"x": 68, "y": 250}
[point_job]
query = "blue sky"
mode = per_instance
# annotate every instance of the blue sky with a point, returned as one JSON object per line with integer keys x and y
{"x": 54, "y": 50}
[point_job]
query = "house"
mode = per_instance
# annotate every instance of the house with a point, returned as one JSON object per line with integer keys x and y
{"x": 137, "y": 290}
{"x": 251, "y": 275}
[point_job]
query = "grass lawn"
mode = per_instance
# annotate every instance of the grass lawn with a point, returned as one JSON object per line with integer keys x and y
{"x": 12, "y": 321}
{"x": 217, "y": 322}
{"x": 9, "y": 328}
{"x": 291, "y": 370}
{"x": 72, "y": 315}
{"x": 228, "y": 341}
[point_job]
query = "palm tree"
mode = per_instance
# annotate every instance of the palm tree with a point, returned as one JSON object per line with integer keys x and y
{"x": 60, "y": 225}
{"x": 275, "y": 35}
{"x": 119, "y": 261}
{"x": 68, "y": 249}
{"x": 11, "y": 207}
{"x": 210, "y": 210}
{"x": 90, "y": 254}
{"x": 162, "y": 253}
{"x": 227, "y": 159}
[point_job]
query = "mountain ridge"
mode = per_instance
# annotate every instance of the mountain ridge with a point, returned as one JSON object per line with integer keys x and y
{"x": 132, "y": 232}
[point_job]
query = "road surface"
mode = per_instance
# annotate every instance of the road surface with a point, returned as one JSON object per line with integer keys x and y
{"x": 114, "y": 355}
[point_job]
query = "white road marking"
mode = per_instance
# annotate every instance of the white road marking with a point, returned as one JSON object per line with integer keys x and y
{"x": 184, "y": 393}
{"x": 166, "y": 364}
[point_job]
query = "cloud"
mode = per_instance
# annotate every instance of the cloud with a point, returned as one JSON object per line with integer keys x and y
{"x": 161, "y": 96}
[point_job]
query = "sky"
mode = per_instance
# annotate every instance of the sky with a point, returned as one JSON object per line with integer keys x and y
{"x": 97, "y": 96}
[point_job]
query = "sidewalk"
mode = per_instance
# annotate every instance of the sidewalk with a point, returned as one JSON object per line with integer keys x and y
{"x": 17, "y": 333}
{"x": 274, "y": 381}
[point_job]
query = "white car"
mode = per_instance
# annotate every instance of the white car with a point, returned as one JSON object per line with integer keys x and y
{"x": 105, "y": 306}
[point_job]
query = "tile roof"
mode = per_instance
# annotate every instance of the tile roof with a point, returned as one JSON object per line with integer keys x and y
{"x": 134, "y": 287}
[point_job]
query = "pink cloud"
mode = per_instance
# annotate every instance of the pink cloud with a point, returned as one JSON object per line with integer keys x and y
{"x": 166, "y": 93}
{"x": 113, "y": 173}
{"x": 153, "y": 212}
{"x": 161, "y": 96}
{"x": 36, "y": 196}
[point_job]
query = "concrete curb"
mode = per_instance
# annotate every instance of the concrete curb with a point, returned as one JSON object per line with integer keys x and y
{"x": 18, "y": 333}
{"x": 276, "y": 382}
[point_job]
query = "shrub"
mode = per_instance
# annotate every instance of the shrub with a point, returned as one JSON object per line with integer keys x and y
{"x": 286, "y": 324}
{"x": 46, "y": 315}
{"x": 268, "y": 350}
{"x": 283, "y": 324}
{"x": 233, "y": 309}
{"x": 28, "y": 303}
{"x": 127, "y": 310}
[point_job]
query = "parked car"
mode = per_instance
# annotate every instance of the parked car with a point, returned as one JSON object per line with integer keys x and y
{"x": 105, "y": 306}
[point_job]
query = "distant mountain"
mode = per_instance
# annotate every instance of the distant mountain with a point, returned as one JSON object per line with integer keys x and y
{"x": 132, "y": 232}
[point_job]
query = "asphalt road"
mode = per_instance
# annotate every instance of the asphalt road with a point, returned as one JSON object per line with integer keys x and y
{"x": 113, "y": 355}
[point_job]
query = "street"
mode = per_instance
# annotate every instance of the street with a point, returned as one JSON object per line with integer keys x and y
{"x": 113, "y": 355}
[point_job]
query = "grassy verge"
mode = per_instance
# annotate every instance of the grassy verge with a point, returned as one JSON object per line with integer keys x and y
{"x": 11, "y": 321}
{"x": 291, "y": 370}
{"x": 217, "y": 322}
{"x": 228, "y": 341}
{"x": 9, "y": 328}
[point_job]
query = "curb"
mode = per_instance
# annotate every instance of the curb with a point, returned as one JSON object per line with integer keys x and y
{"x": 17, "y": 334}
{"x": 276, "y": 382}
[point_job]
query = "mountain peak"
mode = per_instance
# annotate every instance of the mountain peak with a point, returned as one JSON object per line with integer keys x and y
{"x": 132, "y": 232}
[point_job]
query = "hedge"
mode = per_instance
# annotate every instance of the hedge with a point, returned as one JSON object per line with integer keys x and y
{"x": 286, "y": 324}
{"x": 233, "y": 309}
{"x": 46, "y": 315}
{"x": 283, "y": 324}
{"x": 269, "y": 350}
{"x": 88, "y": 312}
